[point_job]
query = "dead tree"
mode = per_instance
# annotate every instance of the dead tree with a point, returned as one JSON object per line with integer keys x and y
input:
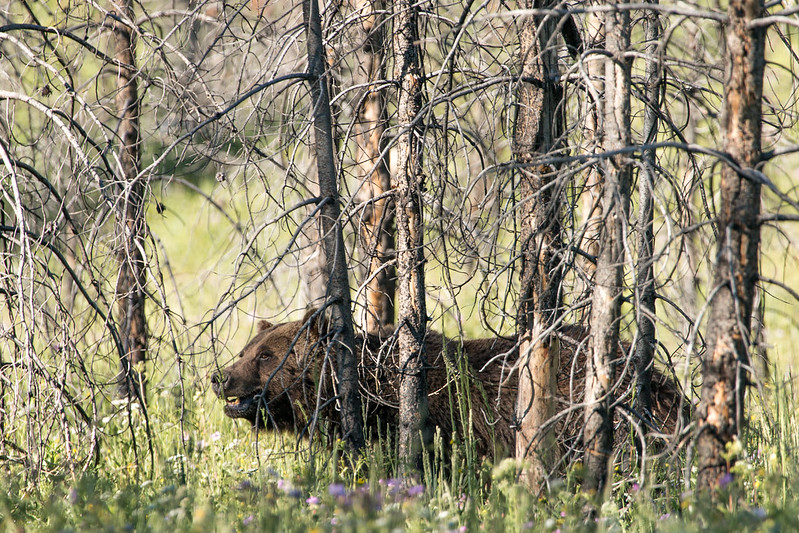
{"x": 726, "y": 363}
{"x": 377, "y": 226}
{"x": 645, "y": 282}
{"x": 607, "y": 291}
{"x": 592, "y": 190}
{"x": 538, "y": 127}
{"x": 412, "y": 311}
{"x": 131, "y": 224}
{"x": 338, "y": 299}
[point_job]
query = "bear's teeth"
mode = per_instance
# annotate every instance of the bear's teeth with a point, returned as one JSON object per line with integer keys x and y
{"x": 233, "y": 401}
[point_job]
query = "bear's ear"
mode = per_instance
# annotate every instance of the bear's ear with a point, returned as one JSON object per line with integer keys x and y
{"x": 263, "y": 325}
{"x": 315, "y": 320}
{"x": 311, "y": 317}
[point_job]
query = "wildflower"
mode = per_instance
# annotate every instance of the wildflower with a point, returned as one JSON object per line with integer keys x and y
{"x": 337, "y": 490}
{"x": 415, "y": 490}
{"x": 215, "y": 436}
{"x": 563, "y": 514}
{"x": 244, "y": 485}
{"x": 528, "y": 525}
{"x": 248, "y": 520}
{"x": 665, "y": 516}
{"x": 313, "y": 500}
{"x": 636, "y": 487}
{"x": 462, "y": 502}
{"x": 726, "y": 479}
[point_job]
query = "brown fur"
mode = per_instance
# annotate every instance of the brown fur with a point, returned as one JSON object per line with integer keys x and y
{"x": 275, "y": 383}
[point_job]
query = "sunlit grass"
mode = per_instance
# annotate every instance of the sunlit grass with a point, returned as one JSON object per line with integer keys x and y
{"x": 196, "y": 470}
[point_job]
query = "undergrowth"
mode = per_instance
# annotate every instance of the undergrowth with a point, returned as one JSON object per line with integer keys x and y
{"x": 206, "y": 473}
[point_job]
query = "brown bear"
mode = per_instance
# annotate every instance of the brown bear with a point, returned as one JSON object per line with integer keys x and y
{"x": 283, "y": 377}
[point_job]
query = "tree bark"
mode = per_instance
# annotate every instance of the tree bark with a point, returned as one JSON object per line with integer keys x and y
{"x": 130, "y": 295}
{"x": 538, "y": 127}
{"x": 377, "y": 226}
{"x": 412, "y": 311}
{"x": 338, "y": 300}
{"x": 724, "y": 369}
{"x": 645, "y": 288}
{"x": 590, "y": 197}
{"x": 607, "y": 293}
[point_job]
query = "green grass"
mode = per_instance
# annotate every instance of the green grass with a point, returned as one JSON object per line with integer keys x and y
{"x": 215, "y": 475}
{"x": 196, "y": 470}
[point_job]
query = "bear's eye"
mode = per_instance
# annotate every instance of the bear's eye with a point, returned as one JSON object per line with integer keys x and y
{"x": 264, "y": 355}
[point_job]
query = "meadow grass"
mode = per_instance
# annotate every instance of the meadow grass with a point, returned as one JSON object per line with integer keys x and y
{"x": 213, "y": 474}
{"x": 196, "y": 470}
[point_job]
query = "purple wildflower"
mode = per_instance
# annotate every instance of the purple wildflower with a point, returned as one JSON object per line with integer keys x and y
{"x": 313, "y": 500}
{"x": 726, "y": 479}
{"x": 665, "y": 516}
{"x": 248, "y": 520}
{"x": 337, "y": 490}
{"x": 462, "y": 502}
{"x": 415, "y": 490}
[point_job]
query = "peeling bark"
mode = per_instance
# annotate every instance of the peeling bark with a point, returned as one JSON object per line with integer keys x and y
{"x": 377, "y": 226}
{"x": 539, "y": 125}
{"x": 724, "y": 369}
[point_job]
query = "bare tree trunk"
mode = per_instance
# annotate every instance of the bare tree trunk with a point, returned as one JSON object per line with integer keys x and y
{"x": 645, "y": 288}
{"x": 335, "y": 266}
{"x": 412, "y": 311}
{"x": 724, "y": 369}
{"x": 377, "y": 227}
{"x": 130, "y": 283}
{"x": 538, "y": 126}
{"x": 592, "y": 191}
{"x": 607, "y": 293}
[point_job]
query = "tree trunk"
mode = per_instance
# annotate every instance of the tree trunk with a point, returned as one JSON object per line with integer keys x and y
{"x": 131, "y": 225}
{"x": 412, "y": 311}
{"x": 377, "y": 227}
{"x": 538, "y": 127}
{"x": 724, "y": 373}
{"x": 335, "y": 266}
{"x": 607, "y": 292}
{"x": 590, "y": 197}
{"x": 645, "y": 288}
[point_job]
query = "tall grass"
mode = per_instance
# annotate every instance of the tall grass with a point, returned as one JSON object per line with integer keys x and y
{"x": 219, "y": 476}
{"x": 196, "y": 470}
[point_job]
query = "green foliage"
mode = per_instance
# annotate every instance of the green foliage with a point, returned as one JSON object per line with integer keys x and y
{"x": 211, "y": 475}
